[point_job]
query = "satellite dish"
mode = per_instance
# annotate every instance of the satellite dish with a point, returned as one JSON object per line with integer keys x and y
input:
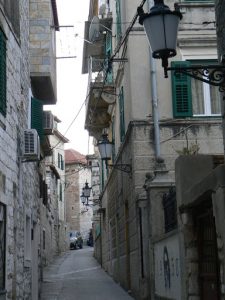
{"x": 94, "y": 29}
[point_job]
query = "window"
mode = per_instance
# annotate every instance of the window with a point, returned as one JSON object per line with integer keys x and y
{"x": 113, "y": 139}
{"x": 37, "y": 116}
{"x": 122, "y": 120}
{"x": 2, "y": 73}
{"x": 118, "y": 21}
{"x": 108, "y": 52}
{"x": 170, "y": 210}
{"x": 60, "y": 161}
{"x": 43, "y": 237}
{"x": 193, "y": 97}
{"x": 60, "y": 192}
{"x": 11, "y": 8}
{"x": 2, "y": 245}
{"x": 27, "y": 250}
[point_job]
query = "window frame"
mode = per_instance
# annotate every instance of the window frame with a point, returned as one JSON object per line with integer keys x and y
{"x": 182, "y": 95}
{"x": 169, "y": 203}
{"x": 122, "y": 117}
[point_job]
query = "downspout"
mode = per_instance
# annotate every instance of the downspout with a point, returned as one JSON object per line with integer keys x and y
{"x": 155, "y": 111}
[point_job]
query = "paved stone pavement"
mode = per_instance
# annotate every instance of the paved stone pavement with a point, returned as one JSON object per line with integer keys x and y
{"x": 77, "y": 275}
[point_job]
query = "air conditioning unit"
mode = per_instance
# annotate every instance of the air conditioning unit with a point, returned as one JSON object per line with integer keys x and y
{"x": 31, "y": 145}
{"x": 48, "y": 122}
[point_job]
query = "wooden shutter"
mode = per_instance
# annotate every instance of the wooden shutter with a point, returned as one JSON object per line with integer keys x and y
{"x": 108, "y": 53}
{"x": 37, "y": 116}
{"x": 122, "y": 120}
{"x": 59, "y": 161}
{"x": 113, "y": 139}
{"x": 60, "y": 192}
{"x": 181, "y": 91}
{"x": 2, "y": 73}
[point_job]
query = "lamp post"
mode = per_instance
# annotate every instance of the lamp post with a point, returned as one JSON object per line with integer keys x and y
{"x": 105, "y": 150}
{"x": 161, "y": 27}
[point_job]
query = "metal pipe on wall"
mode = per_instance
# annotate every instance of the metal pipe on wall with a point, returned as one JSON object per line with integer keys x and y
{"x": 154, "y": 93}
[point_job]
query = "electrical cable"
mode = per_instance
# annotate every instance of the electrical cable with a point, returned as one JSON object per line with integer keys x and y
{"x": 123, "y": 40}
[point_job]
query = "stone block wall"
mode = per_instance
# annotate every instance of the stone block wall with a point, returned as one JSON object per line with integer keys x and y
{"x": 42, "y": 40}
{"x": 220, "y": 21}
{"x": 121, "y": 224}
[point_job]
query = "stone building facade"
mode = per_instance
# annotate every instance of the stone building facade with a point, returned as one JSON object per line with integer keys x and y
{"x": 78, "y": 216}
{"x": 20, "y": 167}
{"x": 142, "y": 114}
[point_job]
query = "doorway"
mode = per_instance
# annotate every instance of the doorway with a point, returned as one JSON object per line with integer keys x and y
{"x": 208, "y": 255}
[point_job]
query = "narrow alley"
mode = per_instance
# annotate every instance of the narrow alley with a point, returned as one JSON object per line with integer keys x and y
{"x": 77, "y": 275}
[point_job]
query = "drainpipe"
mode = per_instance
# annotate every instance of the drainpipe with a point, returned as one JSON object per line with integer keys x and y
{"x": 154, "y": 99}
{"x": 149, "y": 178}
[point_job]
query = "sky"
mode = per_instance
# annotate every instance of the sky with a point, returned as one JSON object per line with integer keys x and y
{"x": 71, "y": 84}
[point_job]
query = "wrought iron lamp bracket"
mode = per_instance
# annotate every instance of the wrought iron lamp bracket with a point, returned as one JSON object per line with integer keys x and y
{"x": 211, "y": 74}
{"x": 122, "y": 167}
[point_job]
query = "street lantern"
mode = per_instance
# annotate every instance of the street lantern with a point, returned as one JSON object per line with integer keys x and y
{"x": 105, "y": 148}
{"x": 82, "y": 198}
{"x": 161, "y": 27}
{"x": 86, "y": 190}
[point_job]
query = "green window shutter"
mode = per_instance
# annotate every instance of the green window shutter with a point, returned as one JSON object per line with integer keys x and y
{"x": 113, "y": 140}
{"x": 2, "y": 73}
{"x": 60, "y": 192}
{"x": 122, "y": 120}
{"x": 108, "y": 44}
{"x": 59, "y": 161}
{"x": 62, "y": 163}
{"x": 37, "y": 116}
{"x": 103, "y": 175}
{"x": 118, "y": 21}
{"x": 108, "y": 53}
{"x": 181, "y": 91}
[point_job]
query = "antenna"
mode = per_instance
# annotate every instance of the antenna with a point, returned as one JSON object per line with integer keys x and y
{"x": 94, "y": 29}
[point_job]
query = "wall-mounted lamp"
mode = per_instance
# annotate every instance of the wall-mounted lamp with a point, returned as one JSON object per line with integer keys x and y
{"x": 161, "y": 27}
{"x": 105, "y": 150}
{"x": 86, "y": 192}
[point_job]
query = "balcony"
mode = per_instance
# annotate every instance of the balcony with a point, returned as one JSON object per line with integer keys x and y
{"x": 95, "y": 49}
{"x": 43, "y": 23}
{"x": 101, "y": 96}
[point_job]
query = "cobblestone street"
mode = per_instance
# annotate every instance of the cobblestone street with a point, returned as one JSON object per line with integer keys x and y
{"x": 77, "y": 275}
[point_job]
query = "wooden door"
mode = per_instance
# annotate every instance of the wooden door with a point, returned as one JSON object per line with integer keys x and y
{"x": 208, "y": 259}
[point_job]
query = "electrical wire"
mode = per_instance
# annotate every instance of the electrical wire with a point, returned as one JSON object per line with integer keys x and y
{"x": 74, "y": 119}
{"x": 123, "y": 40}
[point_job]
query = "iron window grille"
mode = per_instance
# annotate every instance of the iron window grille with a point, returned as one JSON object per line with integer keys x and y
{"x": 170, "y": 209}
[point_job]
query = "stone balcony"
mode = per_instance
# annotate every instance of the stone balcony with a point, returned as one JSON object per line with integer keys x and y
{"x": 100, "y": 100}
{"x": 43, "y": 24}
